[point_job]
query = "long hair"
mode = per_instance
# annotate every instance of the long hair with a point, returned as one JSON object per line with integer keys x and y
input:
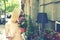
{"x": 15, "y": 14}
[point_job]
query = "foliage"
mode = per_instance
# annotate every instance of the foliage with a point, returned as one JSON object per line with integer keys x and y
{"x": 49, "y": 35}
{"x": 10, "y": 5}
{"x": 23, "y": 23}
{"x": 10, "y": 8}
{"x": 5, "y": 0}
{"x": 30, "y": 28}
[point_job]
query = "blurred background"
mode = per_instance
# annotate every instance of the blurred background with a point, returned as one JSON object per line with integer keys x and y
{"x": 31, "y": 9}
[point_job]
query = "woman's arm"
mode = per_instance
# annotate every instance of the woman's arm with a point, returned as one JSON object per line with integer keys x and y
{"x": 6, "y": 29}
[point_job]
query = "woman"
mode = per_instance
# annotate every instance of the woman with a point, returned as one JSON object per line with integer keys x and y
{"x": 12, "y": 27}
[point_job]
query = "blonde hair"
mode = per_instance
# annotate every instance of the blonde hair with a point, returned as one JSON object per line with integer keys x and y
{"x": 15, "y": 14}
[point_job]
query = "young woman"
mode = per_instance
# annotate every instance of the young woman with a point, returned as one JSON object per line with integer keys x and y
{"x": 12, "y": 27}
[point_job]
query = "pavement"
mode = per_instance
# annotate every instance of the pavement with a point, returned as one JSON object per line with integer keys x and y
{"x": 2, "y": 32}
{"x": 2, "y": 27}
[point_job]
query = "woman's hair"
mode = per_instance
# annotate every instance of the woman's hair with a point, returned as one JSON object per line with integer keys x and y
{"x": 15, "y": 14}
{"x": 21, "y": 14}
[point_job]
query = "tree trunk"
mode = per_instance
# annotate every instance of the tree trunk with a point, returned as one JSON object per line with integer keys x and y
{"x": 5, "y": 9}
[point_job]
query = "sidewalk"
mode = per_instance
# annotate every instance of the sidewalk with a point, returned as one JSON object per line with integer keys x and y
{"x": 2, "y": 32}
{"x": 2, "y": 26}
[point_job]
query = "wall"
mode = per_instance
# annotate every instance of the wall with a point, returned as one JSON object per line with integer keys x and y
{"x": 51, "y": 8}
{"x": 31, "y": 8}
